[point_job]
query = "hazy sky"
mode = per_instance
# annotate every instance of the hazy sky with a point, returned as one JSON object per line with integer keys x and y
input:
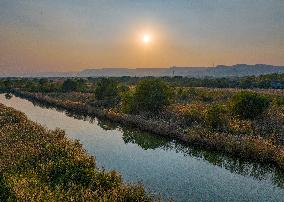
{"x": 70, "y": 35}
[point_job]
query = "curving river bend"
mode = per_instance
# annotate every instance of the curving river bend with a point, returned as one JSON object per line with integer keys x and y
{"x": 163, "y": 165}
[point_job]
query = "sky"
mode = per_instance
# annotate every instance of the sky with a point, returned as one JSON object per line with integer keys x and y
{"x": 72, "y": 35}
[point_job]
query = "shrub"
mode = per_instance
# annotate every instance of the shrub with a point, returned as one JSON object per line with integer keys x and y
{"x": 128, "y": 102}
{"x": 6, "y": 194}
{"x": 106, "y": 88}
{"x": 182, "y": 94}
{"x": 70, "y": 85}
{"x": 190, "y": 113}
{"x": 123, "y": 88}
{"x": 249, "y": 105}
{"x": 149, "y": 95}
{"x": 205, "y": 97}
{"x": 215, "y": 117}
{"x": 192, "y": 116}
{"x": 280, "y": 100}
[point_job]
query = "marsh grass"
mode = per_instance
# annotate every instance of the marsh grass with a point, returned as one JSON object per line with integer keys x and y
{"x": 195, "y": 121}
{"x": 38, "y": 164}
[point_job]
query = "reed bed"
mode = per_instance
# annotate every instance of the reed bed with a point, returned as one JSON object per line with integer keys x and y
{"x": 240, "y": 138}
{"x": 38, "y": 164}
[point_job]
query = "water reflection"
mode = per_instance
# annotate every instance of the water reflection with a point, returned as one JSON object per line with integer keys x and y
{"x": 149, "y": 141}
{"x": 107, "y": 125}
{"x": 145, "y": 140}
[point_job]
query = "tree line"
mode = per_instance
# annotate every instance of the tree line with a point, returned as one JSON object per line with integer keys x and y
{"x": 273, "y": 81}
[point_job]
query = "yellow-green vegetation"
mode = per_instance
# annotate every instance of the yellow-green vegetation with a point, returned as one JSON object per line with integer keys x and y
{"x": 244, "y": 122}
{"x": 149, "y": 95}
{"x": 249, "y": 105}
{"x": 38, "y": 164}
{"x": 106, "y": 88}
{"x": 233, "y": 112}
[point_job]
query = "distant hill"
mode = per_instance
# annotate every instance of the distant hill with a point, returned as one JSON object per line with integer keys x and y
{"x": 53, "y": 74}
{"x": 218, "y": 71}
{"x": 40, "y": 74}
{"x": 237, "y": 70}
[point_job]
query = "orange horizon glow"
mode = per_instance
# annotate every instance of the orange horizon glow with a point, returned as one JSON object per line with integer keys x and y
{"x": 134, "y": 35}
{"x": 27, "y": 53}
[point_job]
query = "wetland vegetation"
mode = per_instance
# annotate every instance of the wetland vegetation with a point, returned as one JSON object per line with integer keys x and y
{"x": 38, "y": 164}
{"x": 244, "y": 123}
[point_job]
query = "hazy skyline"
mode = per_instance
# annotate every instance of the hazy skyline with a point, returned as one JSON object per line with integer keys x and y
{"x": 71, "y": 35}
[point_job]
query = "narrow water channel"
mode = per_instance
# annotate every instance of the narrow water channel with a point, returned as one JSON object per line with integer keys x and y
{"x": 164, "y": 166}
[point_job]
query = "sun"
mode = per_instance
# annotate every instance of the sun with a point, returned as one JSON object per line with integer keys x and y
{"x": 146, "y": 38}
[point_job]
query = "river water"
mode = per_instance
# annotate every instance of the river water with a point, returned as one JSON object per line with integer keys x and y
{"x": 163, "y": 165}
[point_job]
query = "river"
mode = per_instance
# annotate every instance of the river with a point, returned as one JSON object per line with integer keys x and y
{"x": 164, "y": 166}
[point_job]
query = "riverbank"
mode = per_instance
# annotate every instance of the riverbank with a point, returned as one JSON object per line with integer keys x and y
{"x": 38, "y": 164}
{"x": 250, "y": 147}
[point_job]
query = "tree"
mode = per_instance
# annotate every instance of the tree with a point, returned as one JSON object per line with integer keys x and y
{"x": 70, "y": 85}
{"x": 43, "y": 81}
{"x": 215, "y": 117}
{"x": 106, "y": 88}
{"x": 249, "y": 105}
{"x": 149, "y": 95}
{"x": 8, "y": 84}
{"x": 128, "y": 104}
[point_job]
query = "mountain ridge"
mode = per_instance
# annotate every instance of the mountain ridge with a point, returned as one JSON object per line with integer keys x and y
{"x": 218, "y": 71}
{"x": 237, "y": 70}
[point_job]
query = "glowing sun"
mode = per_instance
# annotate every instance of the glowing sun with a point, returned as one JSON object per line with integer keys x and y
{"x": 146, "y": 38}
